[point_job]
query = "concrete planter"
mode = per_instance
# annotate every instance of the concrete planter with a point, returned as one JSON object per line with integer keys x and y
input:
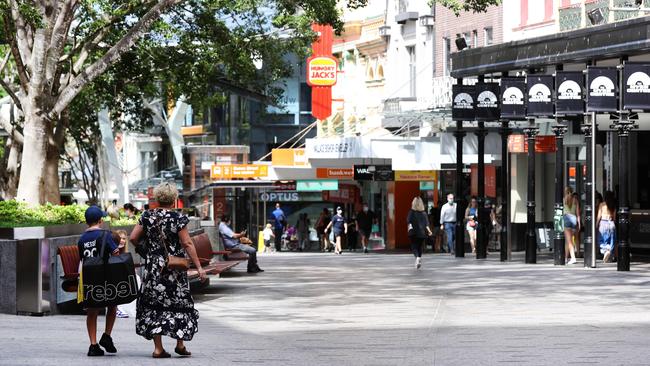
{"x": 40, "y": 232}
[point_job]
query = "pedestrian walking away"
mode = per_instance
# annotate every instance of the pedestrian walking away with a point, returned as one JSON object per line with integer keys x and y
{"x": 89, "y": 246}
{"x": 605, "y": 222}
{"x": 321, "y": 229}
{"x": 571, "y": 223}
{"x": 364, "y": 225}
{"x": 418, "y": 229}
{"x": 340, "y": 228}
{"x": 448, "y": 221}
{"x": 165, "y": 306}
{"x": 232, "y": 240}
{"x": 280, "y": 224}
{"x": 302, "y": 227}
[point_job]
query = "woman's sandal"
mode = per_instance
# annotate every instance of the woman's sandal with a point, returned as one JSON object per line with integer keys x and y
{"x": 162, "y": 354}
{"x": 182, "y": 351}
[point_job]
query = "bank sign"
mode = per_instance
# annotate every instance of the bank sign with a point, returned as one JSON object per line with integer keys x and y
{"x": 321, "y": 71}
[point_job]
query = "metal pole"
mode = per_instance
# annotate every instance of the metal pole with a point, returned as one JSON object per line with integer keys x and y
{"x": 460, "y": 233}
{"x": 531, "y": 242}
{"x": 589, "y": 254}
{"x": 624, "y": 126}
{"x": 558, "y": 242}
{"x": 505, "y": 192}
{"x": 481, "y": 245}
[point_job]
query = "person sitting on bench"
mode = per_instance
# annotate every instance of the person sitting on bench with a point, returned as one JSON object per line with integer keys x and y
{"x": 231, "y": 241}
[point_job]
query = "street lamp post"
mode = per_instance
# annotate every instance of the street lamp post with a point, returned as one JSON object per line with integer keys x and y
{"x": 558, "y": 242}
{"x": 531, "y": 243}
{"x": 589, "y": 130}
{"x": 505, "y": 196}
{"x": 623, "y": 126}
{"x": 460, "y": 237}
{"x": 483, "y": 217}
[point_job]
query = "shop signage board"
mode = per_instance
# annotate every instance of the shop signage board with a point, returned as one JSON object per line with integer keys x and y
{"x": 569, "y": 94}
{"x": 374, "y": 172}
{"x": 513, "y": 101}
{"x": 602, "y": 83}
{"x": 336, "y": 148}
{"x": 636, "y": 86}
{"x": 321, "y": 71}
{"x": 239, "y": 171}
{"x": 347, "y": 193}
{"x": 284, "y": 186}
{"x": 463, "y": 103}
{"x": 518, "y": 144}
{"x": 317, "y": 185}
{"x": 363, "y": 172}
{"x": 288, "y": 157}
{"x": 487, "y": 102}
{"x": 416, "y": 175}
{"x": 540, "y": 96}
{"x": 335, "y": 173}
{"x": 284, "y": 196}
{"x": 427, "y": 186}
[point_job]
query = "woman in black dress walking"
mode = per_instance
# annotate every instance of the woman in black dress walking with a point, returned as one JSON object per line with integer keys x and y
{"x": 165, "y": 306}
{"x": 418, "y": 229}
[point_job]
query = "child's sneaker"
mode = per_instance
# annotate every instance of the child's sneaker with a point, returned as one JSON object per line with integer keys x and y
{"x": 121, "y": 314}
{"x": 94, "y": 350}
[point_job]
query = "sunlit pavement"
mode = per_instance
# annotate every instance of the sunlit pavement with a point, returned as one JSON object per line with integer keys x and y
{"x": 376, "y": 309}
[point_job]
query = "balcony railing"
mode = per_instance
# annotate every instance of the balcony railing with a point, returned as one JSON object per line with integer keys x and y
{"x": 577, "y": 15}
{"x": 603, "y": 5}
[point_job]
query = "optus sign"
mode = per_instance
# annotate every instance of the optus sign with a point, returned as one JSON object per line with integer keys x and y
{"x": 321, "y": 71}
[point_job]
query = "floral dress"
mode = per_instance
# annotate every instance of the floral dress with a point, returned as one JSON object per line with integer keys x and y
{"x": 165, "y": 305}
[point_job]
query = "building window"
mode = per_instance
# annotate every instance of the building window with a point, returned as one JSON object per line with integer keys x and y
{"x": 468, "y": 39}
{"x": 411, "y": 54}
{"x": 305, "y": 97}
{"x": 474, "y": 38}
{"x": 446, "y": 57}
{"x": 487, "y": 36}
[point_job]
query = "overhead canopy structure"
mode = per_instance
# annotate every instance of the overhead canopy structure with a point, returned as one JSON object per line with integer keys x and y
{"x": 623, "y": 38}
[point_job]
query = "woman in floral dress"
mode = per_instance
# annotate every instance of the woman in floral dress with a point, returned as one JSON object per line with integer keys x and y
{"x": 165, "y": 305}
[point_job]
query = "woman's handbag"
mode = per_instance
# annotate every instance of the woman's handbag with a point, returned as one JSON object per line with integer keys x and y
{"x": 472, "y": 223}
{"x": 172, "y": 262}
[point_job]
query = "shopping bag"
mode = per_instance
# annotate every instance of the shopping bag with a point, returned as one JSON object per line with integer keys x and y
{"x": 108, "y": 280}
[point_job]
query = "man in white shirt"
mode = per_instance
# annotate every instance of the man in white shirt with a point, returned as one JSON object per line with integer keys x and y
{"x": 448, "y": 221}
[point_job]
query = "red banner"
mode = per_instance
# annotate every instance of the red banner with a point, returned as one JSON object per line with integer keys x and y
{"x": 490, "y": 180}
{"x": 543, "y": 144}
{"x": 321, "y": 95}
{"x": 347, "y": 193}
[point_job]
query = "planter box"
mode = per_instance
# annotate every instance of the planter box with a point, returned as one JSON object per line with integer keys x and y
{"x": 41, "y": 232}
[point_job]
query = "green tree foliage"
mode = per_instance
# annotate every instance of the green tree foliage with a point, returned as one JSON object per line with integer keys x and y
{"x": 459, "y": 6}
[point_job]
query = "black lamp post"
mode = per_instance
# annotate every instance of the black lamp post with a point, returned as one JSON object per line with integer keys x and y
{"x": 558, "y": 242}
{"x": 483, "y": 216}
{"x": 531, "y": 242}
{"x": 505, "y": 192}
{"x": 623, "y": 126}
{"x": 460, "y": 233}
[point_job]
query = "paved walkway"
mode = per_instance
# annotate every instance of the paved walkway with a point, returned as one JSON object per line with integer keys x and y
{"x": 355, "y": 309}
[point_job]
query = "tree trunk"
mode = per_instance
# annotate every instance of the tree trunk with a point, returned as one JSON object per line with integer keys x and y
{"x": 9, "y": 170}
{"x": 51, "y": 175}
{"x": 31, "y": 187}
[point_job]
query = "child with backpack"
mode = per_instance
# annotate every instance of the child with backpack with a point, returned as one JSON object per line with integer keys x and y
{"x": 89, "y": 245}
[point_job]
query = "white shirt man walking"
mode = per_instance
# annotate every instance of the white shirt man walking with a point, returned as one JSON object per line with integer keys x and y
{"x": 448, "y": 221}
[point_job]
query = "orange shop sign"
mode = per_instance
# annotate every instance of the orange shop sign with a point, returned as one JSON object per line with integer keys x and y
{"x": 416, "y": 175}
{"x": 321, "y": 71}
{"x": 288, "y": 157}
{"x": 239, "y": 171}
{"x": 335, "y": 173}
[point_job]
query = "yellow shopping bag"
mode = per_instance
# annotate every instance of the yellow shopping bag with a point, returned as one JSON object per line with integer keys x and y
{"x": 80, "y": 288}
{"x": 260, "y": 242}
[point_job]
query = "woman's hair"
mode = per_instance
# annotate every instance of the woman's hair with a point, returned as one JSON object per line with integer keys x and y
{"x": 568, "y": 197}
{"x": 117, "y": 238}
{"x": 473, "y": 200}
{"x": 610, "y": 201}
{"x": 417, "y": 204}
{"x": 165, "y": 193}
{"x": 268, "y": 226}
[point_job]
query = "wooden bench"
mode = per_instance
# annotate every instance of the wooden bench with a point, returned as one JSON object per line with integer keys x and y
{"x": 206, "y": 257}
{"x": 233, "y": 254}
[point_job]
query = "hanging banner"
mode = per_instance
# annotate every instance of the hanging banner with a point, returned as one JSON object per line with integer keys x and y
{"x": 601, "y": 89}
{"x": 462, "y": 108}
{"x": 569, "y": 100}
{"x": 321, "y": 71}
{"x": 487, "y": 102}
{"x": 518, "y": 144}
{"x": 513, "y": 103}
{"x": 362, "y": 172}
{"x": 540, "y": 95}
{"x": 636, "y": 84}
